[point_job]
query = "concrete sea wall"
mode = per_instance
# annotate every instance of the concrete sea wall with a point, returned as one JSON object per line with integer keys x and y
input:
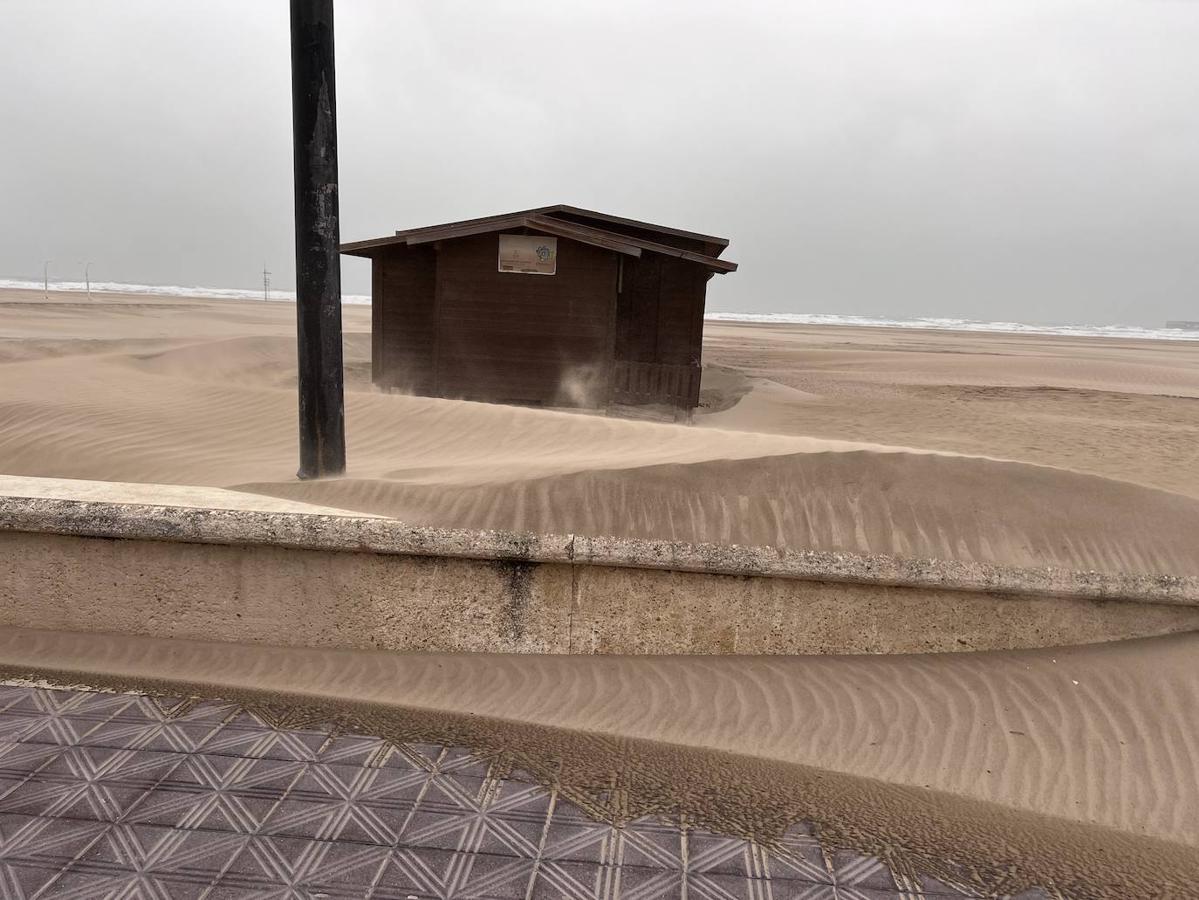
{"x": 291, "y": 577}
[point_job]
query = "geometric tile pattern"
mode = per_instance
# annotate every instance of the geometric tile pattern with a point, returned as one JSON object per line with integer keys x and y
{"x": 127, "y": 796}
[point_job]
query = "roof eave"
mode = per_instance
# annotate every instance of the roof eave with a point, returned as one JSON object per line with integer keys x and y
{"x": 460, "y": 230}
{"x": 365, "y": 248}
{"x": 537, "y": 221}
{"x": 581, "y": 232}
{"x": 635, "y": 223}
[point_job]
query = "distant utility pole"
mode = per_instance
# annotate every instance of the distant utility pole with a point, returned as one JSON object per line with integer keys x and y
{"x": 266, "y": 283}
{"x": 46, "y": 279}
{"x": 318, "y": 266}
{"x": 87, "y": 277}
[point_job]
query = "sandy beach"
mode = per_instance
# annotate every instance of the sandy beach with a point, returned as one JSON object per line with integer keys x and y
{"x": 1025, "y": 450}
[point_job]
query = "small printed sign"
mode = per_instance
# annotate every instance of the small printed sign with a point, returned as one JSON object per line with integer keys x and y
{"x": 528, "y": 254}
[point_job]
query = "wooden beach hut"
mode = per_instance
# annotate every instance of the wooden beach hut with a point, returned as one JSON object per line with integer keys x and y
{"x": 552, "y": 306}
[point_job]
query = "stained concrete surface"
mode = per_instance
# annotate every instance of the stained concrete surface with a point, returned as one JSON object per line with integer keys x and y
{"x": 96, "y": 557}
{"x": 318, "y": 598}
{"x": 58, "y": 511}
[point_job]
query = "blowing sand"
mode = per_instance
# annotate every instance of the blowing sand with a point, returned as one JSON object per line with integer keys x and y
{"x": 1024, "y": 450}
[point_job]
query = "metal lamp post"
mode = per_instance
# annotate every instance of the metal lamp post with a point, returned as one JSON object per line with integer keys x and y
{"x": 318, "y": 266}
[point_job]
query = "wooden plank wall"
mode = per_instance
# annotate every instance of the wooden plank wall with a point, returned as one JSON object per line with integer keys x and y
{"x": 639, "y": 384}
{"x": 680, "y": 301}
{"x": 660, "y": 331}
{"x": 403, "y": 281}
{"x": 637, "y": 310}
{"x": 521, "y": 338}
{"x": 450, "y": 324}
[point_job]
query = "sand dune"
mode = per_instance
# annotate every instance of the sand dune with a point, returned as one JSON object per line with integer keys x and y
{"x": 860, "y": 501}
{"x": 1122, "y": 409}
{"x": 189, "y": 392}
{"x": 1102, "y": 735}
{"x": 223, "y": 409}
{"x": 906, "y": 357}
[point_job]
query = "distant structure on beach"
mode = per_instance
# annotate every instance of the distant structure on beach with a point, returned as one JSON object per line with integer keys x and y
{"x": 555, "y": 306}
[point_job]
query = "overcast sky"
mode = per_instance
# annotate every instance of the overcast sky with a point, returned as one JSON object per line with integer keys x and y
{"x": 1030, "y": 161}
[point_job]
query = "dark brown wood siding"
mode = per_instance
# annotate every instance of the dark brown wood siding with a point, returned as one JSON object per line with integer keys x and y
{"x": 605, "y": 328}
{"x": 637, "y": 309}
{"x": 680, "y": 300}
{"x": 403, "y": 283}
{"x": 524, "y": 338}
{"x": 659, "y": 331}
{"x": 379, "y": 304}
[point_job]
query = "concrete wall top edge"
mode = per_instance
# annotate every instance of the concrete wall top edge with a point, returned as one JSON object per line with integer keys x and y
{"x": 137, "y": 521}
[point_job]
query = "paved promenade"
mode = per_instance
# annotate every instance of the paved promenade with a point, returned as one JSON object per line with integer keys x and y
{"x": 120, "y": 795}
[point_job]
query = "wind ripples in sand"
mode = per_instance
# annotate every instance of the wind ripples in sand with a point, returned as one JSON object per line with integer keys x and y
{"x": 219, "y": 412}
{"x": 1102, "y": 734}
{"x": 913, "y": 505}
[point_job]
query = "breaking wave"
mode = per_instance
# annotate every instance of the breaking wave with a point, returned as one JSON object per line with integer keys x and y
{"x": 169, "y": 290}
{"x": 1111, "y": 331}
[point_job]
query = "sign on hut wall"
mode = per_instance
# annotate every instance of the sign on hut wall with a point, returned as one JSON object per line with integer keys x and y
{"x": 529, "y": 254}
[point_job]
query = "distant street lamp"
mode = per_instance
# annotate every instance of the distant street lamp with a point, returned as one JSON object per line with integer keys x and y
{"x": 88, "y": 278}
{"x": 46, "y": 279}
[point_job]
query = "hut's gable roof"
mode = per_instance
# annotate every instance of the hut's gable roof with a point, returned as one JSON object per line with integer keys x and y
{"x": 627, "y": 236}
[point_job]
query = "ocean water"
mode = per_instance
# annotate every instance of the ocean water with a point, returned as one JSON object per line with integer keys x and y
{"x": 169, "y": 290}
{"x": 1110, "y": 331}
{"x": 940, "y": 324}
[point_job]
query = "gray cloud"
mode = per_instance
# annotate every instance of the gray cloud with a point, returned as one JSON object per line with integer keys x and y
{"x": 1036, "y": 161}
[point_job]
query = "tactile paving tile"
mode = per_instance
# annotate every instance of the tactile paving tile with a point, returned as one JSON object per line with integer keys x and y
{"x": 124, "y": 795}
